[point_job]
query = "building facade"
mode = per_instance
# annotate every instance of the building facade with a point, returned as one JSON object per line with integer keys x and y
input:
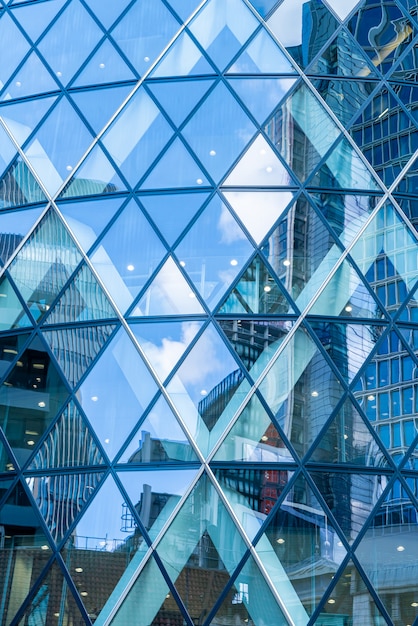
{"x": 208, "y": 312}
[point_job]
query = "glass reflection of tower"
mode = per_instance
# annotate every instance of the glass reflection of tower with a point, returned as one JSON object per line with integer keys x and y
{"x": 208, "y": 313}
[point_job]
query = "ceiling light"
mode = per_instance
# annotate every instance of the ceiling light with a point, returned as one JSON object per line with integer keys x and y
{"x": 130, "y": 267}
{"x": 38, "y": 366}
{"x": 348, "y": 308}
{"x": 183, "y": 263}
{"x": 146, "y": 59}
{"x": 264, "y": 438}
{"x": 269, "y": 169}
{"x": 212, "y": 153}
{"x": 18, "y": 83}
{"x": 331, "y": 601}
{"x": 107, "y": 440}
{"x": 286, "y": 262}
{"x": 314, "y": 394}
{"x": 41, "y": 404}
{"x": 371, "y": 398}
{"x": 267, "y": 288}
{"x": 400, "y": 548}
{"x": 280, "y": 540}
{"x": 30, "y": 442}
{"x": 45, "y": 547}
{"x": 94, "y": 398}
{"x": 9, "y": 350}
{"x": 199, "y": 181}
{"x": 84, "y": 593}
{"x": 203, "y": 392}
{"x": 233, "y": 262}
{"x": 78, "y": 570}
{"x": 102, "y": 66}
{"x": 69, "y": 168}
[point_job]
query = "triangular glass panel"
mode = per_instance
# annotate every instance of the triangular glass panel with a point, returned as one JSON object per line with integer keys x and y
{"x": 261, "y": 56}
{"x": 158, "y": 27}
{"x": 342, "y": 7}
{"x": 349, "y": 440}
{"x": 345, "y": 213}
{"x": 300, "y": 389}
{"x": 388, "y": 251}
{"x": 12, "y": 312}
{"x": 254, "y": 438}
{"x": 159, "y": 439}
{"x": 405, "y": 67}
{"x": 118, "y": 379}
{"x": 53, "y": 602}
{"x": 220, "y": 129}
{"x": 61, "y": 497}
{"x": 58, "y": 145}
{"x": 250, "y": 600}
{"x": 68, "y": 444}
{"x": 263, "y": 6}
{"x": 83, "y": 300}
{"x": 351, "y": 497}
{"x": 127, "y": 255}
{"x": 14, "y": 225}
{"x": 106, "y": 539}
{"x": 137, "y": 135}
{"x": 302, "y": 29}
{"x": 22, "y": 525}
{"x": 18, "y": 186}
{"x": 32, "y": 78}
{"x": 344, "y": 169}
{"x": 22, "y": 117}
{"x": 105, "y": 66}
{"x": 264, "y": 337}
{"x": 347, "y": 345}
{"x": 259, "y": 166}
{"x": 176, "y": 169}
{"x": 261, "y": 95}
{"x": 350, "y": 598}
{"x": 344, "y": 96}
{"x": 87, "y": 219}
{"x": 59, "y": 40}
{"x": 343, "y": 57}
{"x": 164, "y": 343}
{"x": 154, "y": 494}
{"x": 346, "y": 294}
{"x": 304, "y": 117}
{"x": 35, "y": 17}
{"x": 30, "y": 398}
{"x": 111, "y": 99}
{"x": 69, "y": 346}
{"x": 256, "y": 292}
{"x": 206, "y": 543}
{"x": 95, "y": 176}
{"x": 383, "y": 32}
{"x": 387, "y": 553}
{"x": 183, "y": 58}
{"x": 168, "y": 294}
{"x": 107, "y": 13}
{"x": 214, "y": 251}
{"x": 221, "y": 29}
{"x": 178, "y": 98}
{"x": 149, "y": 591}
{"x": 258, "y": 210}
{"x": 300, "y": 548}
{"x": 44, "y": 264}
{"x": 10, "y": 347}
{"x": 208, "y": 391}
{"x": 172, "y": 212}
{"x": 13, "y": 47}
{"x": 301, "y": 268}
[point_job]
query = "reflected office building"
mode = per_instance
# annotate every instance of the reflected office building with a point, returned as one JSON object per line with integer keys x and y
{"x": 208, "y": 313}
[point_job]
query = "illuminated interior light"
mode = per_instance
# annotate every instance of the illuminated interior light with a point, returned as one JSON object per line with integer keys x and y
{"x": 383, "y": 113}
{"x": 203, "y": 392}
{"x": 146, "y": 59}
{"x": 9, "y": 351}
{"x": 199, "y": 181}
{"x": 130, "y": 267}
{"x": 233, "y": 262}
{"x": 267, "y": 288}
{"x": 18, "y": 83}
{"x": 45, "y": 547}
{"x": 314, "y": 394}
{"x": 286, "y": 262}
{"x": 348, "y": 308}
{"x": 331, "y": 601}
{"x": 41, "y": 404}
{"x": 3, "y": 295}
{"x": 38, "y": 366}
{"x": 269, "y": 169}
{"x": 212, "y": 153}
{"x": 345, "y": 436}
{"x": 370, "y": 398}
{"x": 30, "y": 442}
{"x": 107, "y": 440}
{"x": 281, "y": 540}
{"x": 102, "y": 66}
{"x": 78, "y": 570}
{"x": 94, "y": 398}
{"x": 264, "y": 438}
{"x": 400, "y": 548}
{"x": 69, "y": 168}
{"x": 19, "y": 363}
{"x": 183, "y": 263}
{"x": 84, "y": 593}
{"x": 59, "y": 74}
{"x": 33, "y": 433}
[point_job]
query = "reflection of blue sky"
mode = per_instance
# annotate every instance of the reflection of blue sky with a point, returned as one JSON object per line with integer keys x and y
{"x": 214, "y": 251}
{"x": 116, "y": 392}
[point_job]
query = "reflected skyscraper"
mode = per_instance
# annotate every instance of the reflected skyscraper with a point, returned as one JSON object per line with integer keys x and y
{"x": 208, "y": 312}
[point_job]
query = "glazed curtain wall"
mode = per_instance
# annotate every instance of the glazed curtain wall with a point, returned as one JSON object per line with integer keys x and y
{"x": 208, "y": 312}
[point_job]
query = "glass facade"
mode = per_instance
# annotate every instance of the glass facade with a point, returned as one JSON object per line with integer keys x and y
{"x": 208, "y": 312}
